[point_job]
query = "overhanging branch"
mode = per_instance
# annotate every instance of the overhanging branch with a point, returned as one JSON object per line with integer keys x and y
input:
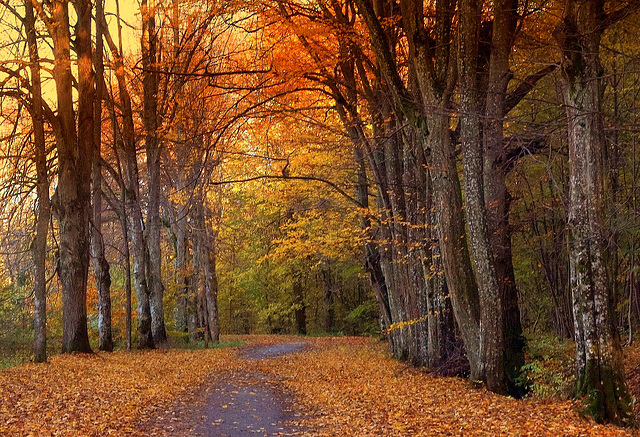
{"x": 299, "y": 178}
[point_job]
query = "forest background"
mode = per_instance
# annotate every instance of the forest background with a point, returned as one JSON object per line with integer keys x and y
{"x": 457, "y": 177}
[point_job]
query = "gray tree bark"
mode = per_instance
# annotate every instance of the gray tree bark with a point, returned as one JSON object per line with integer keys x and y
{"x": 100, "y": 265}
{"x": 150, "y": 118}
{"x": 133, "y": 212}
{"x": 491, "y": 323}
{"x": 600, "y": 373}
{"x": 39, "y": 249}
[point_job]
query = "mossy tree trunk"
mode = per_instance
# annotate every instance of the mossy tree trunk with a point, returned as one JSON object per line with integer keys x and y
{"x": 600, "y": 373}
{"x": 101, "y": 271}
{"x": 150, "y": 68}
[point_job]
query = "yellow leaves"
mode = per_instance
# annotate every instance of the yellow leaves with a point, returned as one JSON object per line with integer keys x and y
{"x": 405, "y": 324}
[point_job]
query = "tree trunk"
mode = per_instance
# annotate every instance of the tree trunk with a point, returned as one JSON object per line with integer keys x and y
{"x": 491, "y": 323}
{"x": 74, "y": 171}
{"x": 211, "y": 287}
{"x": 300, "y": 313}
{"x": 182, "y": 282}
{"x": 452, "y": 240}
{"x": 600, "y": 378}
{"x": 100, "y": 264}
{"x": 496, "y": 195}
{"x": 133, "y": 210}
{"x": 127, "y": 274}
{"x": 39, "y": 249}
{"x": 372, "y": 255}
{"x": 327, "y": 296}
{"x": 150, "y": 118}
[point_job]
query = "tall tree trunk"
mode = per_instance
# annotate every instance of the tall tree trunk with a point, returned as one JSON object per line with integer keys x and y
{"x": 600, "y": 378}
{"x": 132, "y": 195}
{"x": 211, "y": 285}
{"x": 150, "y": 118}
{"x": 300, "y": 310}
{"x": 39, "y": 248}
{"x": 74, "y": 170}
{"x": 121, "y": 210}
{"x": 372, "y": 255}
{"x": 205, "y": 264}
{"x": 127, "y": 274}
{"x": 100, "y": 264}
{"x": 496, "y": 195}
{"x": 180, "y": 265}
{"x": 327, "y": 295}
{"x": 491, "y": 323}
{"x": 452, "y": 239}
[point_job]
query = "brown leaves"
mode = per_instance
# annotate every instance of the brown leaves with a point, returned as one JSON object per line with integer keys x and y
{"x": 349, "y": 386}
{"x": 353, "y": 388}
{"x": 103, "y": 394}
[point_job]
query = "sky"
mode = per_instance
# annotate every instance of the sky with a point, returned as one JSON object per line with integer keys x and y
{"x": 130, "y": 15}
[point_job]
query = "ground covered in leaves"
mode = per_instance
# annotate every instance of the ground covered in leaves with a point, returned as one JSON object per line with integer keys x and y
{"x": 344, "y": 386}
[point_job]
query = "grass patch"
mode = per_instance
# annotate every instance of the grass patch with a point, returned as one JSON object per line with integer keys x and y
{"x": 180, "y": 340}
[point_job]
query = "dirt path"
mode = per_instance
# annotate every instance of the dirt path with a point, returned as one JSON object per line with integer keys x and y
{"x": 240, "y": 403}
{"x": 246, "y": 404}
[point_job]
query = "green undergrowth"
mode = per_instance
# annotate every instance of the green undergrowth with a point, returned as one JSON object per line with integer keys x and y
{"x": 180, "y": 340}
{"x": 16, "y": 351}
{"x": 549, "y": 367}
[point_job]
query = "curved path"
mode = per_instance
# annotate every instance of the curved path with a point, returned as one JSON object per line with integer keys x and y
{"x": 248, "y": 403}
{"x": 240, "y": 403}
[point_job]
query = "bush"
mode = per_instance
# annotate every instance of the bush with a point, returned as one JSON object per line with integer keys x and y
{"x": 549, "y": 368}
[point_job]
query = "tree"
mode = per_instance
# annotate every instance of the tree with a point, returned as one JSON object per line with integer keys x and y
{"x": 44, "y": 205}
{"x": 600, "y": 375}
{"x": 101, "y": 272}
{"x": 131, "y": 194}
{"x": 150, "y": 119}
{"x": 75, "y": 149}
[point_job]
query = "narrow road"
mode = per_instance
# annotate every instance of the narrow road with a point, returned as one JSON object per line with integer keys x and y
{"x": 247, "y": 403}
{"x": 240, "y": 403}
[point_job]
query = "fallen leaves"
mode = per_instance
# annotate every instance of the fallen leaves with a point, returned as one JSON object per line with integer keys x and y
{"x": 101, "y": 394}
{"x": 353, "y": 388}
{"x": 348, "y": 386}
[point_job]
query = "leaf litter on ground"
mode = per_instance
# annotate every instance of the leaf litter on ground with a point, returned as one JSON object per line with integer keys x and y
{"x": 346, "y": 386}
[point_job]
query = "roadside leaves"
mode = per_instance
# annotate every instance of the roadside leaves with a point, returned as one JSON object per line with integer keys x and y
{"x": 353, "y": 388}
{"x": 101, "y": 394}
{"x": 343, "y": 386}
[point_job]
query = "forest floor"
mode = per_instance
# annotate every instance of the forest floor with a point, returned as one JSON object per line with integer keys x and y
{"x": 340, "y": 386}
